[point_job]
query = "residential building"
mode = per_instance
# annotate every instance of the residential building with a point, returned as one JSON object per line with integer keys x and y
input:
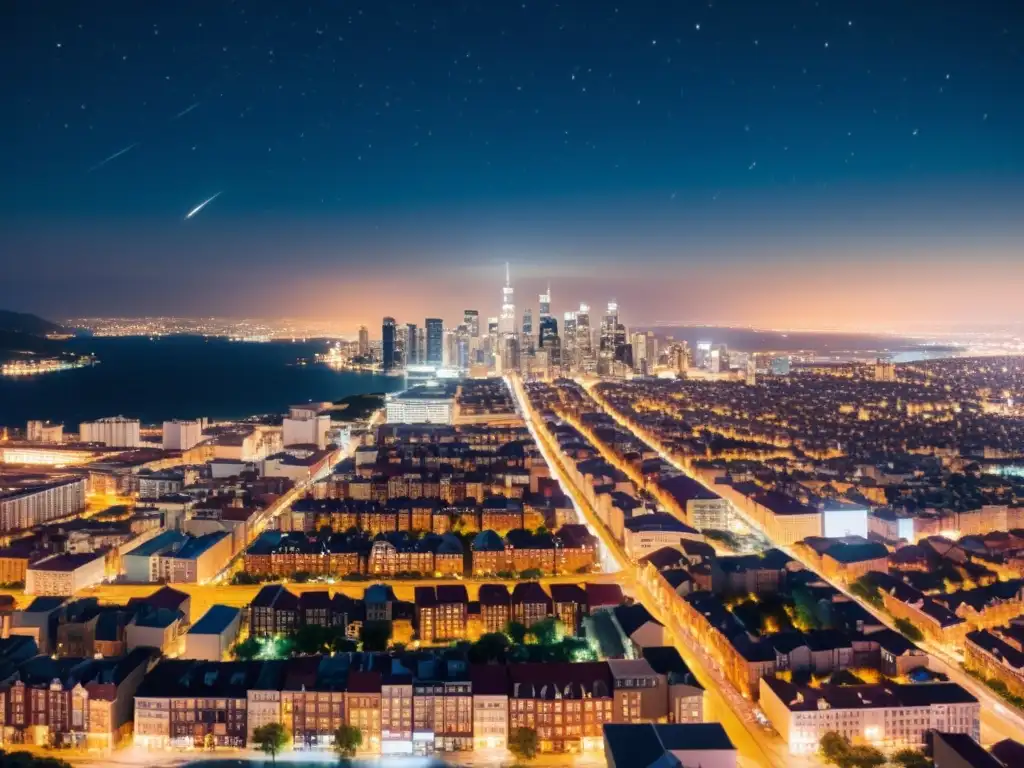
{"x": 655, "y": 745}
{"x": 65, "y": 574}
{"x": 113, "y": 432}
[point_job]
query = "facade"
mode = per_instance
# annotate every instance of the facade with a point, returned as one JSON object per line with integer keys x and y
{"x": 387, "y": 345}
{"x": 30, "y": 504}
{"x": 659, "y": 746}
{"x": 113, "y": 432}
{"x": 421, "y": 405}
{"x": 212, "y": 636}
{"x": 567, "y": 704}
{"x": 435, "y": 341}
{"x": 64, "y": 574}
{"x": 182, "y": 435}
{"x": 887, "y": 715}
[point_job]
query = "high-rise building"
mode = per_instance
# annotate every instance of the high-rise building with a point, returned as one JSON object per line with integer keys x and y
{"x": 545, "y": 303}
{"x": 435, "y": 341}
{"x": 387, "y": 346}
{"x": 612, "y": 341}
{"x": 462, "y": 347}
{"x": 652, "y": 351}
{"x": 718, "y": 361}
{"x": 364, "y": 341}
{"x": 527, "y": 339}
{"x": 702, "y": 357}
{"x": 569, "y": 339}
{"x": 471, "y": 318}
{"x": 641, "y": 363}
{"x": 752, "y": 371}
{"x": 507, "y": 319}
{"x": 548, "y": 331}
{"x": 885, "y": 370}
{"x": 113, "y": 432}
{"x": 584, "y": 340}
{"x": 411, "y": 344}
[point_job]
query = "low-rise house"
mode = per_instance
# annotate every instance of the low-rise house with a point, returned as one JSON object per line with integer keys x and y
{"x": 214, "y": 634}
{"x": 495, "y": 607}
{"x": 530, "y": 603}
{"x": 658, "y": 745}
{"x": 567, "y": 704}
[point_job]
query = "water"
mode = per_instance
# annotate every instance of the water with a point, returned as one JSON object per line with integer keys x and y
{"x": 182, "y": 377}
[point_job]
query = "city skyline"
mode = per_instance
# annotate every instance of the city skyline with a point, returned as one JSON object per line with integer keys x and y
{"x": 850, "y": 166}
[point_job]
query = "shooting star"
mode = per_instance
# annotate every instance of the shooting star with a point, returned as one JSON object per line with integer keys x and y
{"x": 202, "y": 205}
{"x": 115, "y": 155}
{"x": 186, "y": 110}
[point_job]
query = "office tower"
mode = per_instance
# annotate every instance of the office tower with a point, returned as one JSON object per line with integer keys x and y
{"x": 527, "y": 339}
{"x": 752, "y": 371}
{"x": 702, "y": 358}
{"x": 548, "y": 331}
{"x": 545, "y": 304}
{"x": 411, "y": 344}
{"x": 884, "y": 370}
{"x": 569, "y": 340}
{"x": 718, "y": 360}
{"x": 584, "y": 341}
{"x": 471, "y": 318}
{"x": 387, "y": 346}
{"x": 641, "y": 364}
{"x": 507, "y": 320}
{"x": 651, "y": 353}
{"x": 435, "y": 341}
{"x": 612, "y": 340}
{"x": 364, "y": 341}
{"x": 462, "y": 347}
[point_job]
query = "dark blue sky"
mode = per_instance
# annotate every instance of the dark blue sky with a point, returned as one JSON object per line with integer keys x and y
{"x": 619, "y": 147}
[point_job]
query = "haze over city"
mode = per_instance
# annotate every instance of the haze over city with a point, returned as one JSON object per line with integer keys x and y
{"x": 834, "y": 165}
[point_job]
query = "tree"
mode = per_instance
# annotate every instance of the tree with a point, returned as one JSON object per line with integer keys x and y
{"x": 911, "y": 758}
{"x": 347, "y": 740}
{"x": 491, "y": 647}
{"x": 247, "y": 649}
{"x": 834, "y": 747}
{"x": 907, "y": 628}
{"x": 375, "y": 635}
{"x": 209, "y": 743}
{"x": 270, "y": 739}
{"x": 549, "y": 631}
{"x": 531, "y": 573}
{"x": 862, "y": 756}
{"x": 516, "y": 631}
{"x": 522, "y": 743}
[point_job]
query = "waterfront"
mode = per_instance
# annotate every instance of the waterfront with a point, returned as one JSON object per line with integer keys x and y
{"x": 182, "y": 377}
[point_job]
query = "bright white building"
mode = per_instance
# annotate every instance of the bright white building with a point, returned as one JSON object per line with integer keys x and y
{"x": 26, "y": 505}
{"x": 307, "y": 425}
{"x": 114, "y": 431}
{"x": 44, "y": 432}
{"x": 421, "y": 405}
{"x": 840, "y": 518}
{"x": 889, "y": 715}
{"x": 182, "y": 435}
{"x": 64, "y": 574}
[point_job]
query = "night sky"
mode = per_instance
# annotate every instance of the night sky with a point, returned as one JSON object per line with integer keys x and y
{"x": 848, "y": 163}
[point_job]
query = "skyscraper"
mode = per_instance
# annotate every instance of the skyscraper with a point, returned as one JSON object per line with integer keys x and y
{"x": 364, "y": 341}
{"x": 545, "y": 303}
{"x": 584, "y": 341}
{"x": 703, "y": 356}
{"x": 641, "y": 364}
{"x": 609, "y": 339}
{"x": 569, "y": 340}
{"x": 411, "y": 351}
{"x": 507, "y": 320}
{"x": 435, "y": 341}
{"x": 718, "y": 359}
{"x": 527, "y": 338}
{"x": 471, "y": 319}
{"x": 387, "y": 346}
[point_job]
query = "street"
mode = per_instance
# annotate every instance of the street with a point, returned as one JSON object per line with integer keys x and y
{"x": 757, "y": 745}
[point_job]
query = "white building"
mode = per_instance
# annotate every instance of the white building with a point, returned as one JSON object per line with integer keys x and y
{"x": 44, "y": 432}
{"x": 840, "y": 518}
{"x": 212, "y": 636}
{"x": 24, "y": 505}
{"x": 887, "y": 715}
{"x": 115, "y": 432}
{"x": 307, "y": 425}
{"x": 182, "y": 435}
{"x": 645, "y": 534}
{"x": 421, "y": 405}
{"x": 64, "y": 574}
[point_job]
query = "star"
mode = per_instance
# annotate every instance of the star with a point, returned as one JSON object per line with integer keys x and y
{"x": 697, "y": 27}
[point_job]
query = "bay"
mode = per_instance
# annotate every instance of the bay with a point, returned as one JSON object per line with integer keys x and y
{"x": 182, "y": 377}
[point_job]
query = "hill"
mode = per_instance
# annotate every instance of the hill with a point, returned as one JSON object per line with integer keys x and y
{"x": 21, "y": 322}
{"x": 23, "y": 334}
